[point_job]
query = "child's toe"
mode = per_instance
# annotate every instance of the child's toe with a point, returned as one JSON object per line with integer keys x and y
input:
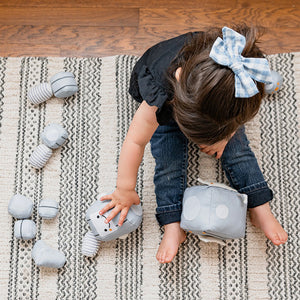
{"x": 279, "y": 238}
{"x": 284, "y": 237}
{"x": 158, "y": 256}
{"x": 275, "y": 238}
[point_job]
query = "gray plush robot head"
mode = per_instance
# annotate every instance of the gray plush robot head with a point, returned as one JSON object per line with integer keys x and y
{"x": 111, "y": 231}
{"x": 101, "y": 231}
{"x": 215, "y": 211}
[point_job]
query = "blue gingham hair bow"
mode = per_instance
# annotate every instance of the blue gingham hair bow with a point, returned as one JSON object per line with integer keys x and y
{"x": 227, "y": 52}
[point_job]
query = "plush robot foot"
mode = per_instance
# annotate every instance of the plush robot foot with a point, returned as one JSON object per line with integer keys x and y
{"x": 45, "y": 256}
{"x": 90, "y": 245}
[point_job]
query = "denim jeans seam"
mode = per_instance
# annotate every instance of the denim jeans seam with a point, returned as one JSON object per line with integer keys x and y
{"x": 183, "y": 174}
{"x": 168, "y": 211}
{"x": 257, "y": 189}
{"x": 229, "y": 171}
{"x": 262, "y": 186}
{"x": 165, "y": 208}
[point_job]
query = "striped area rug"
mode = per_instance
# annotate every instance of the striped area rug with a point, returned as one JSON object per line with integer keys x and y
{"x": 97, "y": 119}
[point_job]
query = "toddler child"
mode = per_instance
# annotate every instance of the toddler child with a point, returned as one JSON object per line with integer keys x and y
{"x": 201, "y": 86}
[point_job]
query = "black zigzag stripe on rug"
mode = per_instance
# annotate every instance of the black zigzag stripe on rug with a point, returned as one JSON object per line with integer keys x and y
{"x": 129, "y": 252}
{"x": 79, "y": 178}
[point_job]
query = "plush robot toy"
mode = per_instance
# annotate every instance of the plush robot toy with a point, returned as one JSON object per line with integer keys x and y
{"x": 62, "y": 85}
{"x": 53, "y": 136}
{"x": 107, "y": 232}
{"x": 214, "y": 211}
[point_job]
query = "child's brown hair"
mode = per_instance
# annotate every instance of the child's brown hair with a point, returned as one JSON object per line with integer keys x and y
{"x": 204, "y": 103}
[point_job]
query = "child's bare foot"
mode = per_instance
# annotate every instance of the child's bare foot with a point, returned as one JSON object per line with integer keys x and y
{"x": 262, "y": 217}
{"x": 173, "y": 237}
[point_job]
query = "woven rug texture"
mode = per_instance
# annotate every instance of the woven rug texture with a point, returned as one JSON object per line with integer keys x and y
{"x": 97, "y": 119}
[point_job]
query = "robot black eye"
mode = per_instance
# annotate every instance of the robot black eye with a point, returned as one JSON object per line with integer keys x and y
{"x": 105, "y": 229}
{"x": 98, "y": 217}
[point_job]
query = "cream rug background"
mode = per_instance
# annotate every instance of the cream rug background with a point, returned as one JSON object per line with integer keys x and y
{"x": 97, "y": 119}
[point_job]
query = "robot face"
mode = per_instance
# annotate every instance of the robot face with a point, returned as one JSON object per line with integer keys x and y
{"x": 103, "y": 229}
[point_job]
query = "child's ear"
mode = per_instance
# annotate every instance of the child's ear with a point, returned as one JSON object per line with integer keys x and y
{"x": 178, "y": 73}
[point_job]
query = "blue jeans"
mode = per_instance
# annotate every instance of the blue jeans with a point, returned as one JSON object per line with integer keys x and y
{"x": 169, "y": 147}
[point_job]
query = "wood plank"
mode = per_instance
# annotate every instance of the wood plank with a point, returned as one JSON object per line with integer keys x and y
{"x": 213, "y": 4}
{"x": 89, "y": 41}
{"x": 269, "y": 17}
{"x": 273, "y": 40}
{"x": 69, "y": 16}
{"x": 102, "y": 27}
{"x": 204, "y": 4}
{"x": 263, "y": 4}
{"x": 137, "y": 47}
{"x": 118, "y": 38}
{"x": 29, "y": 50}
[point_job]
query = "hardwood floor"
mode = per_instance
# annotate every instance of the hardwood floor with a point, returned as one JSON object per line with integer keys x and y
{"x": 103, "y": 28}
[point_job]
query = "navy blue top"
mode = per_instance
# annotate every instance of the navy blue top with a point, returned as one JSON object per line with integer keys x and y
{"x": 148, "y": 78}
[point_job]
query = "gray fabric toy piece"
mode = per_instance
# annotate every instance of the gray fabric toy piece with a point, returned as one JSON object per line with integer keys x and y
{"x": 90, "y": 244}
{"x": 53, "y": 136}
{"x": 40, "y": 156}
{"x": 276, "y": 84}
{"x": 20, "y": 207}
{"x": 48, "y": 208}
{"x": 25, "y": 229}
{"x": 214, "y": 211}
{"x": 45, "y": 256}
{"x": 107, "y": 232}
{"x": 62, "y": 85}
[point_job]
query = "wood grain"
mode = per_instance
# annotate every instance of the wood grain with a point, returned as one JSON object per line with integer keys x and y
{"x": 10, "y": 49}
{"x": 100, "y": 41}
{"x": 187, "y": 4}
{"x": 101, "y": 28}
{"x": 121, "y": 3}
{"x": 272, "y": 41}
{"x": 69, "y": 16}
{"x": 269, "y": 17}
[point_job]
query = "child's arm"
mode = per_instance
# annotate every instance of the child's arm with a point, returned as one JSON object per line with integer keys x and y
{"x": 141, "y": 129}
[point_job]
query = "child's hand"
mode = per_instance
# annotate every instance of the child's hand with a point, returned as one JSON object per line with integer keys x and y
{"x": 217, "y": 148}
{"x": 121, "y": 200}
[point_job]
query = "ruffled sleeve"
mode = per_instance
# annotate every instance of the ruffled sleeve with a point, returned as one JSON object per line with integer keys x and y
{"x": 149, "y": 89}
